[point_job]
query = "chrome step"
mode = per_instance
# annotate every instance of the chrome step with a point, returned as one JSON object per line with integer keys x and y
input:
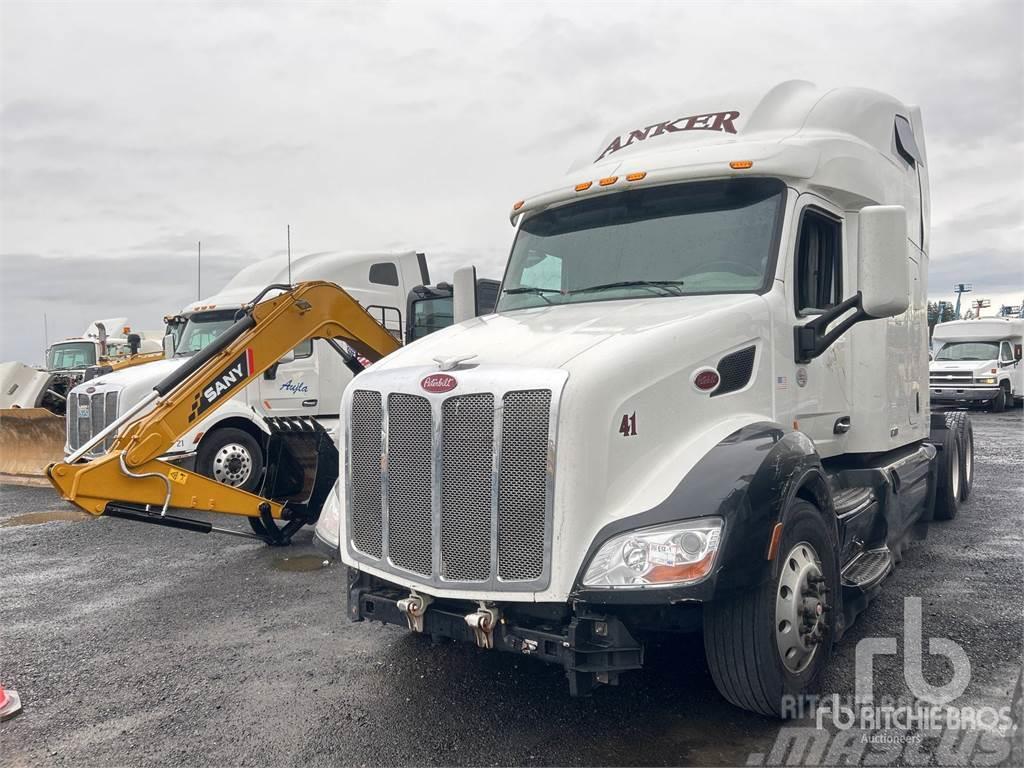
{"x": 850, "y": 500}
{"x": 868, "y": 568}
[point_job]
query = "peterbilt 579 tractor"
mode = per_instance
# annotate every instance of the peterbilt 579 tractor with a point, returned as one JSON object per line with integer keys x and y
{"x": 701, "y": 404}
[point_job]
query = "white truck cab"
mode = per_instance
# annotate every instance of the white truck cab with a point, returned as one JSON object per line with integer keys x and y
{"x": 699, "y": 404}
{"x": 978, "y": 362}
{"x": 229, "y": 445}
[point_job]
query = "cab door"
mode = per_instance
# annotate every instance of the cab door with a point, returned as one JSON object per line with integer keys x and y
{"x": 821, "y": 389}
{"x": 291, "y": 389}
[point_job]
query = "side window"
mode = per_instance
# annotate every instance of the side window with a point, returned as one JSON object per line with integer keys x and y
{"x": 305, "y": 349}
{"x": 819, "y": 263}
{"x": 384, "y": 273}
{"x": 1005, "y": 352}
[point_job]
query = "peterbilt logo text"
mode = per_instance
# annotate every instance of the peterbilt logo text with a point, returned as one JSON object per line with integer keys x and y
{"x": 439, "y": 382}
{"x": 712, "y": 121}
{"x": 235, "y": 374}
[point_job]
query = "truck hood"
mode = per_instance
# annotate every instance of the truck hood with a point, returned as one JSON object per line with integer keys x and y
{"x": 551, "y": 337}
{"x": 139, "y": 375}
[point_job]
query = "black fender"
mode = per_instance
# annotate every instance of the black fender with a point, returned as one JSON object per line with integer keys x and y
{"x": 749, "y": 480}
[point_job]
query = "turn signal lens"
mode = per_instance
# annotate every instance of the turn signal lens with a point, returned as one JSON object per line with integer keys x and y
{"x": 584, "y": 186}
{"x": 740, "y": 165}
{"x": 635, "y": 176}
{"x": 518, "y": 204}
{"x": 706, "y": 380}
{"x": 607, "y": 181}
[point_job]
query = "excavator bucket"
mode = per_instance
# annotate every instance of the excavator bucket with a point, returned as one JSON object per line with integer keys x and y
{"x": 30, "y": 438}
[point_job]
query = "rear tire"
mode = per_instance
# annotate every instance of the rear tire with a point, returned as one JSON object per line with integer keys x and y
{"x": 961, "y": 422}
{"x": 758, "y": 652}
{"x": 947, "y": 495}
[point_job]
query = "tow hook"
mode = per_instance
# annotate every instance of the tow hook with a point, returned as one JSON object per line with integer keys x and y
{"x": 483, "y": 623}
{"x": 415, "y": 607}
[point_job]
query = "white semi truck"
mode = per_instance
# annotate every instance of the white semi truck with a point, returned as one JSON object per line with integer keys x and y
{"x": 978, "y": 362}
{"x": 701, "y": 404}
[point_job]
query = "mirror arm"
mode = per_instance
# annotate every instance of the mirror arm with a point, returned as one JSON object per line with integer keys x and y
{"x": 812, "y": 338}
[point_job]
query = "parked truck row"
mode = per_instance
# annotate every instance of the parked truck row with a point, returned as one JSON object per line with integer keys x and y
{"x": 700, "y": 404}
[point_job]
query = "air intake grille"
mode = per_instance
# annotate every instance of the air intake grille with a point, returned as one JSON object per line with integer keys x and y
{"x": 522, "y": 498}
{"x": 466, "y": 469}
{"x": 410, "y": 476}
{"x": 87, "y": 415}
{"x": 464, "y": 496}
{"x": 364, "y": 472}
{"x": 735, "y": 370}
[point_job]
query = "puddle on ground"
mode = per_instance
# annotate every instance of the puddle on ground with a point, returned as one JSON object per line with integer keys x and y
{"x": 53, "y": 516}
{"x": 301, "y": 563}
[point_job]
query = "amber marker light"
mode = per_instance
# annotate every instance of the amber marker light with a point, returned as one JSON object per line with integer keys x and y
{"x": 583, "y": 186}
{"x": 741, "y": 165}
{"x": 518, "y": 204}
{"x": 607, "y": 181}
{"x": 636, "y": 175}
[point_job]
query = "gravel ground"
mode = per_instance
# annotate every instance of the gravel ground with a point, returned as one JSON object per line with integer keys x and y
{"x": 136, "y": 645}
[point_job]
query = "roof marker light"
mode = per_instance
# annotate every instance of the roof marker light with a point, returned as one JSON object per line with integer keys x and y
{"x": 607, "y": 181}
{"x": 740, "y": 165}
{"x": 636, "y": 176}
{"x": 518, "y": 204}
{"x": 583, "y": 186}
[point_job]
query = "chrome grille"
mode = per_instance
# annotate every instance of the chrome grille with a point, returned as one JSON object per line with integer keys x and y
{"x": 467, "y": 461}
{"x": 466, "y": 493}
{"x": 102, "y": 412}
{"x": 365, "y": 471}
{"x": 953, "y": 377}
{"x": 409, "y": 479}
{"x": 522, "y": 494}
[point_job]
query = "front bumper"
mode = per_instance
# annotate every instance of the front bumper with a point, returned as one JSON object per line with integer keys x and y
{"x": 963, "y": 394}
{"x": 593, "y": 647}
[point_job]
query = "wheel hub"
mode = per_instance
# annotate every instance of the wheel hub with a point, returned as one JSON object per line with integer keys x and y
{"x": 232, "y": 465}
{"x": 801, "y": 607}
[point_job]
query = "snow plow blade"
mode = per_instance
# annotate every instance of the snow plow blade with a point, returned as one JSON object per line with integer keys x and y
{"x": 30, "y": 438}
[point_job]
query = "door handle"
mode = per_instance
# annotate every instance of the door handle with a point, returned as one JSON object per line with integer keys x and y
{"x": 308, "y": 403}
{"x": 842, "y": 426}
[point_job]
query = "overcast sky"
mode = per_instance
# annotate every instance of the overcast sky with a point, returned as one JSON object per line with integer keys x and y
{"x": 132, "y": 130}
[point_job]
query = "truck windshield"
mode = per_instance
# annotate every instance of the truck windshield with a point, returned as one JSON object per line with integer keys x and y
{"x": 969, "y": 350}
{"x": 201, "y": 328}
{"x": 78, "y": 354}
{"x": 694, "y": 238}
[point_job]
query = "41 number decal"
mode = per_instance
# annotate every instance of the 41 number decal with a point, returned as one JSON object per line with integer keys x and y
{"x": 627, "y": 427}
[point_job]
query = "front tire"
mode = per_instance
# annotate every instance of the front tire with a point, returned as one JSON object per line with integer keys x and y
{"x": 949, "y": 481}
{"x": 999, "y": 401}
{"x": 774, "y": 641}
{"x": 233, "y": 457}
{"x": 961, "y": 422}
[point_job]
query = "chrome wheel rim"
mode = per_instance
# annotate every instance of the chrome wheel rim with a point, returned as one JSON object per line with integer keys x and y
{"x": 968, "y": 457}
{"x": 954, "y": 472}
{"x": 801, "y": 608}
{"x": 232, "y": 465}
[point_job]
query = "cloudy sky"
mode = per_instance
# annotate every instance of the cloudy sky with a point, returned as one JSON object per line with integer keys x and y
{"x": 128, "y": 131}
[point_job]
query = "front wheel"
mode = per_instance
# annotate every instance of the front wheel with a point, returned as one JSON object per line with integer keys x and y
{"x": 999, "y": 401}
{"x": 231, "y": 456}
{"x": 773, "y": 642}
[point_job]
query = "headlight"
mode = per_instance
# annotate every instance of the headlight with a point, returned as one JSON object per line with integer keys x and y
{"x": 664, "y": 555}
{"x": 986, "y": 380}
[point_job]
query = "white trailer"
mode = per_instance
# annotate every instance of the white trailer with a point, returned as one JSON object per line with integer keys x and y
{"x": 978, "y": 362}
{"x": 701, "y": 404}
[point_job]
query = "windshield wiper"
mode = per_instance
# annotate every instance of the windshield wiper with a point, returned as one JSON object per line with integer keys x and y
{"x": 534, "y": 290}
{"x": 671, "y": 287}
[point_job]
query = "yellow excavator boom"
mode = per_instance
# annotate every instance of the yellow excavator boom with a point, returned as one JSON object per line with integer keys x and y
{"x": 130, "y": 480}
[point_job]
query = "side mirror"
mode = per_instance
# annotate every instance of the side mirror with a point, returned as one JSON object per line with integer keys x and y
{"x": 168, "y": 346}
{"x": 1018, "y": 352}
{"x": 882, "y": 260}
{"x": 464, "y": 294}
